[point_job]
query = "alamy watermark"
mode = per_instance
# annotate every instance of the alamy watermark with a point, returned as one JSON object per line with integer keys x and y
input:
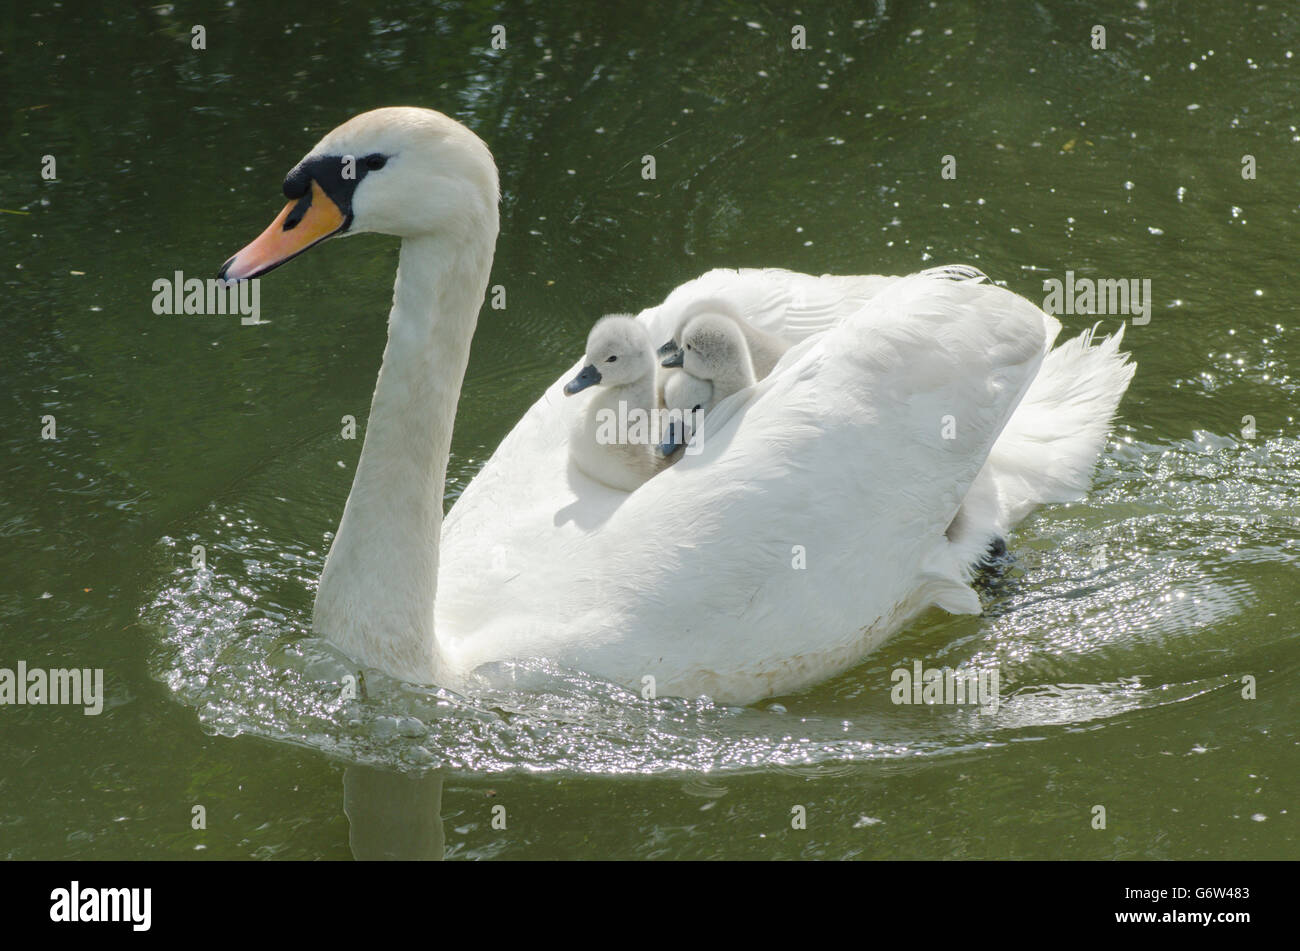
{"x": 78, "y": 904}
{"x": 36, "y": 686}
{"x": 1109, "y": 297}
{"x": 636, "y": 426}
{"x": 178, "y": 295}
{"x": 943, "y": 685}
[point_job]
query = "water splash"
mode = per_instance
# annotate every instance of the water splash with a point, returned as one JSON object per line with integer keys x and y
{"x": 1133, "y": 600}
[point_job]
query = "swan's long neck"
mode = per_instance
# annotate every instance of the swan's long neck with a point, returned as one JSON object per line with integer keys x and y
{"x": 376, "y": 594}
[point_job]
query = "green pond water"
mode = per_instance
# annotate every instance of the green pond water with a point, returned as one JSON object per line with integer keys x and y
{"x": 1122, "y": 628}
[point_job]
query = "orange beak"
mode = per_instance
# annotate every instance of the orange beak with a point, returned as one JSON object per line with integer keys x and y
{"x": 303, "y": 223}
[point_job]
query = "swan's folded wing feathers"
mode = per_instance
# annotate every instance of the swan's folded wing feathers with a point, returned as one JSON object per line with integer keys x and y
{"x": 947, "y": 363}
{"x": 1049, "y": 449}
{"x": 836, "y": 461}
{"x": 781, "y": 302}
{"x": 838, "y": 458}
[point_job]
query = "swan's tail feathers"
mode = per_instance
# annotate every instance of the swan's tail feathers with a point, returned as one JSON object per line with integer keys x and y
{"x": 1050, "y": 446}
{"x": 953, "y": 595}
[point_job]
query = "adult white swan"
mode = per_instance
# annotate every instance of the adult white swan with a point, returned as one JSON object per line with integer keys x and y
{"x": 849, "y": 490}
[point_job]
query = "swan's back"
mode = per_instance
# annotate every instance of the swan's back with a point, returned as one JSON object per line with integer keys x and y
{"x": 784, "y": 303}
{"x": 839, "y": 461}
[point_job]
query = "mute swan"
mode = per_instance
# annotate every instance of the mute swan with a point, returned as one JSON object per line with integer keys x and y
{"x": 810, "y": 527}
{"x": 620, "y": 366}
{"x": 714, "y": 349}
{"x": 687, "y": 399}
{"x": 715, "y": 362}
{"x": 765, "y": 349}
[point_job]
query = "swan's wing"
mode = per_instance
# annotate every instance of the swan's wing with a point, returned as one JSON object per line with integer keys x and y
{"x": 1049, "y": 449}
{"x": 785, "y": 303}
{"x": 530, "y": 468}
{"x": 808, "y": 529}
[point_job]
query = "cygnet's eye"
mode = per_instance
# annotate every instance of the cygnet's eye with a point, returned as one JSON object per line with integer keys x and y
{"x": 612, "y": 359}
{"x": 376, "y": 162}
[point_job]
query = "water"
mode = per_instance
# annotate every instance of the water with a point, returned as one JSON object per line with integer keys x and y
{"x": 1121, "y": 627}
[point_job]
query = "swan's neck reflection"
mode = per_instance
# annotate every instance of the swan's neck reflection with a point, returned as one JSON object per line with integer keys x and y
{"x": 393, "y": 816}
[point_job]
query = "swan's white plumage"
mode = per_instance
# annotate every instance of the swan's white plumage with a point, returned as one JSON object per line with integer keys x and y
{"x": 838, "y": 458}
{"x": 776, "y": 301}
{"x": 840, "y": 450}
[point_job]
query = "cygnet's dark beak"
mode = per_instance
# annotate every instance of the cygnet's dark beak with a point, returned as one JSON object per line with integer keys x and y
{"x": 587, "y": 376}
{"x": 667, "y": 348}
{"x": 671, "y": 441}
{"x": 675, "y": 360}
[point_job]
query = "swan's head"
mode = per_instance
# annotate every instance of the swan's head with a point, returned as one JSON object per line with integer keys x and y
{"x": 618, "y": 353}
{"x": 401, "y": 171}
{"x": 713, "y": 348}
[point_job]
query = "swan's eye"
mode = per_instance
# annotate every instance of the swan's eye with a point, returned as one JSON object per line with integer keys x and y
{"x": 611, "y": 359}
{"x": 376, "y": 162}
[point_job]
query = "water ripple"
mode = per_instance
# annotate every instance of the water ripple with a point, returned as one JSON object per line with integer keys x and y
{"x": 1133, "y": 600}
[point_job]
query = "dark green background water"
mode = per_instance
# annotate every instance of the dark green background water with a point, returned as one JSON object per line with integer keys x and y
{"x": 1121, "y": 632}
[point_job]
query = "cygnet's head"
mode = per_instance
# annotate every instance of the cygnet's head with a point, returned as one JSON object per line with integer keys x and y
{"x": 618, "y": 353}
{"x": 692, "y": 398}
{"x": 668, "y": 351}
{"x": 713, "y": 348}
